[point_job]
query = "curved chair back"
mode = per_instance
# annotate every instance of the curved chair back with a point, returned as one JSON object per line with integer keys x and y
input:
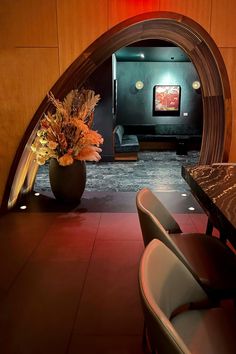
{"x": 156, "y": 223}
{"x": 200, "y": 253}
{"x": 165, "y": 285}
{"x": 155, "y": 219}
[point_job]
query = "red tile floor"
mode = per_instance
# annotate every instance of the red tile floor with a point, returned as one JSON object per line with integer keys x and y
{"x": 68, "y": 281}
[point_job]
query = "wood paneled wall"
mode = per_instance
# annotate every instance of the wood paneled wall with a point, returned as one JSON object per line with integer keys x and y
{"x": 229, "y": 56}
{"x": 79, "y": 24}
{"x": 198, "y": 10}
{"x": 120, "y": 10}
{"x": 39, "y": 39}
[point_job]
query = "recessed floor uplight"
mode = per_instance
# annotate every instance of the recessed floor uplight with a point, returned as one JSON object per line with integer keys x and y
{"x": 36, "y": 194}
{"x": 191, "y": 208}
{"x": 183, "y": 194}
{"x": 23, "y": 207}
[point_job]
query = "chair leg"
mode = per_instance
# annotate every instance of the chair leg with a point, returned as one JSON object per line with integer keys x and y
{"x": 144, "y": 338}
{"x": 209, "y": 228}
{"x": 146, "y": 344}
{"x": 223, "y": 237}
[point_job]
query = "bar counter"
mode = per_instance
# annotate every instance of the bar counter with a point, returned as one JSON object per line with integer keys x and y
{"x": 214, "y": 186}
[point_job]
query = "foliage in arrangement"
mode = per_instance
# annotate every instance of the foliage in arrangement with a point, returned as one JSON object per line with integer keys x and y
{"x": 66, "y": 134}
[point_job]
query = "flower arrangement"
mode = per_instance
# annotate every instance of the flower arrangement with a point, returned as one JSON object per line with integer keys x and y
{"x": 66, "y": 134}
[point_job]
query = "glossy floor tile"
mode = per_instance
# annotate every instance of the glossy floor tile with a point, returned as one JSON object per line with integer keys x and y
{"x": 69, "y": 277}
{"x": 106, "y": 345}
{"x": 110, "y": 302}
{"x": 125, "y": 227}
{"x": 20, "y": 236}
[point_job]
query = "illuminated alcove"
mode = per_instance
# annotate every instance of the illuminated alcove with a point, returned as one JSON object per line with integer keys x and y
{"x": 176, "y": 28}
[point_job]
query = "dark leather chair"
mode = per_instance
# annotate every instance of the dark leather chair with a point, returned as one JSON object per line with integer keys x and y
{"x": 126, "y": 146}
{"x": 125, "y": 142}
{"x": 211, "y": 262}
{"x": 177, "y": 311}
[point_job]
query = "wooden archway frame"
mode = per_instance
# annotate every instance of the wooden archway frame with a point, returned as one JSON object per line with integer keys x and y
{"x": 185, "y": 33}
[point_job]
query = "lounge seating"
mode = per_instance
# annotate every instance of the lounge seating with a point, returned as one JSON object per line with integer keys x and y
{"x": 211, "y": 262}
{"x": 177, "y": 313}
{"x": 166, "y": 136}
{"x": 126, "y": 145}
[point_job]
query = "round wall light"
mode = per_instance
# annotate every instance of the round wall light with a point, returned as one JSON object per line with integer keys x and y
{"x": 139, "y": 85}
{"x": 196, "y": 85}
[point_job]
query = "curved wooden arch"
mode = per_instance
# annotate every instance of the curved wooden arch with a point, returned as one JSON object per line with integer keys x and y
{"x": 176, "y": 28}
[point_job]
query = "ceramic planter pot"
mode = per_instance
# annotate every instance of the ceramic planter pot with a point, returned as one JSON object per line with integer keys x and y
{"x": 67, "y": 182}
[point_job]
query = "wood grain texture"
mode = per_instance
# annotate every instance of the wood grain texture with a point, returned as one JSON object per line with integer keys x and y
{"x": 229, "y": 55}
{"x": 26, "y": 75}
{"x": 198, "y": 10}
{"x": 79, "y": 24}
{"x": 120, "y": 10}
{"x": 181, "y": 31}
{"x": 28, "y": 23}
{"x": 223, "y": 22}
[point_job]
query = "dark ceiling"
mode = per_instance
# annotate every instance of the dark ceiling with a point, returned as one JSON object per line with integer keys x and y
{"x": 152, "y": 50}
{"x": 152, "y": 54}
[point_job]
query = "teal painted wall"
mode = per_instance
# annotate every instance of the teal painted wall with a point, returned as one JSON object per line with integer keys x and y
{"x": 135, "y": 107}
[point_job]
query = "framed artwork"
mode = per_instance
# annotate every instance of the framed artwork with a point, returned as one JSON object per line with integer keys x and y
{"x": 167, "y": 99}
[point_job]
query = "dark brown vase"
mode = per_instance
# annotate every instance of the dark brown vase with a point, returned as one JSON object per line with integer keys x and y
{"x": 67, "y": 182}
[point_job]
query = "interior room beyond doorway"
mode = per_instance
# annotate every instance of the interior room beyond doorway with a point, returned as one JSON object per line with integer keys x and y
{"x": 156, "y": 97}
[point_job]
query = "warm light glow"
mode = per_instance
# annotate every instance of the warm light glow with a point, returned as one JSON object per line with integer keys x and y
{"x": 139, "y": 85}
{"x": 36, "y": 194}
{"x": 166, "y": 79}
{"x": 23, "y": 207}
{"x": 196, "y": 85}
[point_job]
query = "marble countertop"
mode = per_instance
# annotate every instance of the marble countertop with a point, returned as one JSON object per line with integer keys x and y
{"x": 215, "y": 188}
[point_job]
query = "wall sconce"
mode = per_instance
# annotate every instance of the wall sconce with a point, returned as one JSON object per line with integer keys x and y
{"x": 139, "y": 85}
{"x": 196, "y": 85}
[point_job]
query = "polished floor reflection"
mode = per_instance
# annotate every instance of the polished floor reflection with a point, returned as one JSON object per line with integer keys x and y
{"x": 68, "y": 278}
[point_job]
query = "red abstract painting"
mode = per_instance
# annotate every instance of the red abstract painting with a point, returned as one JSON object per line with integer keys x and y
{"x": 167, "y": 98}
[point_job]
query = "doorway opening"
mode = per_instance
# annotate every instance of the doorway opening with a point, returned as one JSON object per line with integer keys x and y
{"x": 178, "y": 29}
{"x": 168, "y": 138}
{"x": 158, "y": 96}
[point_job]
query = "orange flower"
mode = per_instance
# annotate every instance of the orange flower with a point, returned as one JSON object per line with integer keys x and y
{"x": 89, "y": 153}
{"x": 66, "y": 134}
{"x": 93, "y": 138}
{"x": 40, "y": 160}
{"x": 52, "y": 145}
{"x": 81, "y": 125}
{"x": 65, "y": 160}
